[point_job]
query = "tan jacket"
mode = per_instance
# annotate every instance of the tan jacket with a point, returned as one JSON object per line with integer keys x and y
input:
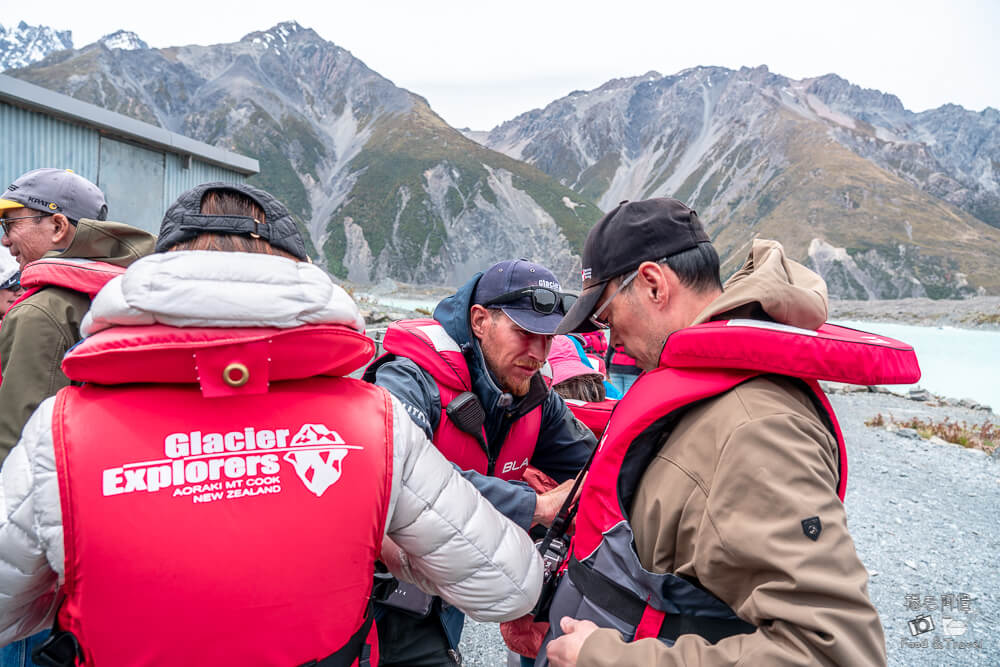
{"x": 724, "y": 500}
{"x": 37, "y": 332}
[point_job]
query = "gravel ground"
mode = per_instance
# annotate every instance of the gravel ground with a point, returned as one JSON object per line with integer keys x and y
{"x": 980, "y": 312}
{"x": 924, "y": 520}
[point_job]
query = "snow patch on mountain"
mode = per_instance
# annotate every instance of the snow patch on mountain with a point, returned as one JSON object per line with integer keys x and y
{"x": 24, "y": 44}
{"x": 124, "y": 40}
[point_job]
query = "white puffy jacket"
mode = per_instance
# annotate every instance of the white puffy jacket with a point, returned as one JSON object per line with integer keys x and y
{"x": 457, "y": 545}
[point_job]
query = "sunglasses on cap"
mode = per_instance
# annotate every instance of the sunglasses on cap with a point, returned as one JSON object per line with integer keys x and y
{"x": 543, "y": 299}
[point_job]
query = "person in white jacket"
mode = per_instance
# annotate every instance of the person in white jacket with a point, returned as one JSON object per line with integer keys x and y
{"x": 442, "y": 534}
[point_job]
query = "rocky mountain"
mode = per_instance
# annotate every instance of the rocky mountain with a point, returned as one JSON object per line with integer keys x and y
{"x": 24, "y": 44}
{"x": 884, "y": 202}
{"x": 385, "y": 188}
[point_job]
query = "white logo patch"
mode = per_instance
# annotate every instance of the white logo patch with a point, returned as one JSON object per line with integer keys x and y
{"x": 318, "y": 459}
{"x": 511, "y": 466}
{"x": 206, "y": 467}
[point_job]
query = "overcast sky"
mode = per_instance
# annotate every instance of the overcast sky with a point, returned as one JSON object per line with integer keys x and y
{"x": 479, "y": 64}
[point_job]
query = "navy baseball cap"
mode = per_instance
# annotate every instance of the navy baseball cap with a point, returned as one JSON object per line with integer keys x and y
{"x": 12, "y": 281}
{"x": 526, "y": 292}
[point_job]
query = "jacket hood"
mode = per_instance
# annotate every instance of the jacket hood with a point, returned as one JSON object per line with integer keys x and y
{"x": 783, "y": 289}
{"x": 202, "y": 288}
{"x": 112, "y": 242}
{"x": 453, "y": 314}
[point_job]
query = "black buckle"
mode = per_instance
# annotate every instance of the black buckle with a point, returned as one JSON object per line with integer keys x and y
{"x": 384, "y": 586}
{"x": 60, "y": 649}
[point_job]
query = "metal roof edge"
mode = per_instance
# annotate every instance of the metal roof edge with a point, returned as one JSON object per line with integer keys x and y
{"x": 33, "y": 97}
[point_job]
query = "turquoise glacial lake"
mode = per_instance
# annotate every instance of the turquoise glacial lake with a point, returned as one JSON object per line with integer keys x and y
{"x": 957, "y": 363}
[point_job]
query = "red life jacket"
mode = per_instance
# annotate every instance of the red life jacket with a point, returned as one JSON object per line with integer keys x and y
{"x": 81, "y": 275}
{"x": 224, "y": 494}
{"x": 594, "y": 416}
{"x": 426, "y": 343}
{"x": 605, "y": 582}
{"x": 597, "y": 343}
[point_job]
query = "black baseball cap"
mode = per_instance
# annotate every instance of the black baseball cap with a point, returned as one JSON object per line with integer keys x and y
{"x": 633, "y": 233}
{"x": 184, "y": 220}
{"x": 519, "y": 274}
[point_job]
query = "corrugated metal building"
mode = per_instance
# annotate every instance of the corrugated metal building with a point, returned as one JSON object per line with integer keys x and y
{"x": 140, "y": 167}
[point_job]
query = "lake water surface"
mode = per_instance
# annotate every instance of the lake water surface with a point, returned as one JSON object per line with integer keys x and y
{"x": 957, "y": 363}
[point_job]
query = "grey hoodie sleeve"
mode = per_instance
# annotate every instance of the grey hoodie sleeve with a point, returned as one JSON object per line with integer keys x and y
{"x": 30, "y": 559}
{"x": 418, "y": 394}
{"x": 458, "y": 546}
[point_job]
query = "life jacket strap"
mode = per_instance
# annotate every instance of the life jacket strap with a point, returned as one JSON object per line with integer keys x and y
{"x": 357, "y": 647}
{"x": 649, "y": 622}
{"x": 60, "y": 649}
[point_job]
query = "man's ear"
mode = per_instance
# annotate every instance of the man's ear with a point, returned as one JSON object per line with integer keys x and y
{"x": 63, "y": 232}
{"x": 653, "y": 280}
{"x": 479, "y": 319}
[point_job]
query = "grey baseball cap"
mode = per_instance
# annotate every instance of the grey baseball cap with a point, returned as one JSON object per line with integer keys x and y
{"x": 56, "y": 191}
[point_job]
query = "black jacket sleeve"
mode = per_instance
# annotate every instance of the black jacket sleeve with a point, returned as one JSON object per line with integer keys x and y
{"x": 564, "y": 444}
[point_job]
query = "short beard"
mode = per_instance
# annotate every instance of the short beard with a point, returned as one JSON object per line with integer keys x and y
{"x": 511, "y": 385}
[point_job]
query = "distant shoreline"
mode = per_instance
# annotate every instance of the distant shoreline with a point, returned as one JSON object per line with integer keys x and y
{"x": 981, "y": 312}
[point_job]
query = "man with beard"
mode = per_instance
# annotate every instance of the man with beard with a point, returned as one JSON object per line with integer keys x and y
{"x": 486, "y": 343}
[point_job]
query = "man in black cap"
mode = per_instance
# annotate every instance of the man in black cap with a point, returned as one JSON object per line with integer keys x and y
{"x": 732, "y": 513}
{"x": 53, "y": 214}
{"x": 486, "y": 346}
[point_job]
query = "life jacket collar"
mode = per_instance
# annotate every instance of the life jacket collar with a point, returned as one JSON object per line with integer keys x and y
{"x": 222, "y": 361}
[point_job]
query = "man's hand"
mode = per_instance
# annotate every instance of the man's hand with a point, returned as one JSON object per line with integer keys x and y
{"x": 564, "y": 651}
{"x": 548, "y": 504}
{"x": 393, "y": 558}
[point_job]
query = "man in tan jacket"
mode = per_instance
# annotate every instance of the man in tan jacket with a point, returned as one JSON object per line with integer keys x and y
{"x": 51, "y": 214}
{"x": 728, "y": 501}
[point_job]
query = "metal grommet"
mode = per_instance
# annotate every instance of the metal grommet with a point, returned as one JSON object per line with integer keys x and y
{"x": 241, "y": 371}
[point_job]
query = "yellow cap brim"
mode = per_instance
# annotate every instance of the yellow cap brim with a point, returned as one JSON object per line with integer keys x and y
{"x": 6, "y": 205}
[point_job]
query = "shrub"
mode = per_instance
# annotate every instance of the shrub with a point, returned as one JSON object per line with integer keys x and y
{"x": 985, "y": 436}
